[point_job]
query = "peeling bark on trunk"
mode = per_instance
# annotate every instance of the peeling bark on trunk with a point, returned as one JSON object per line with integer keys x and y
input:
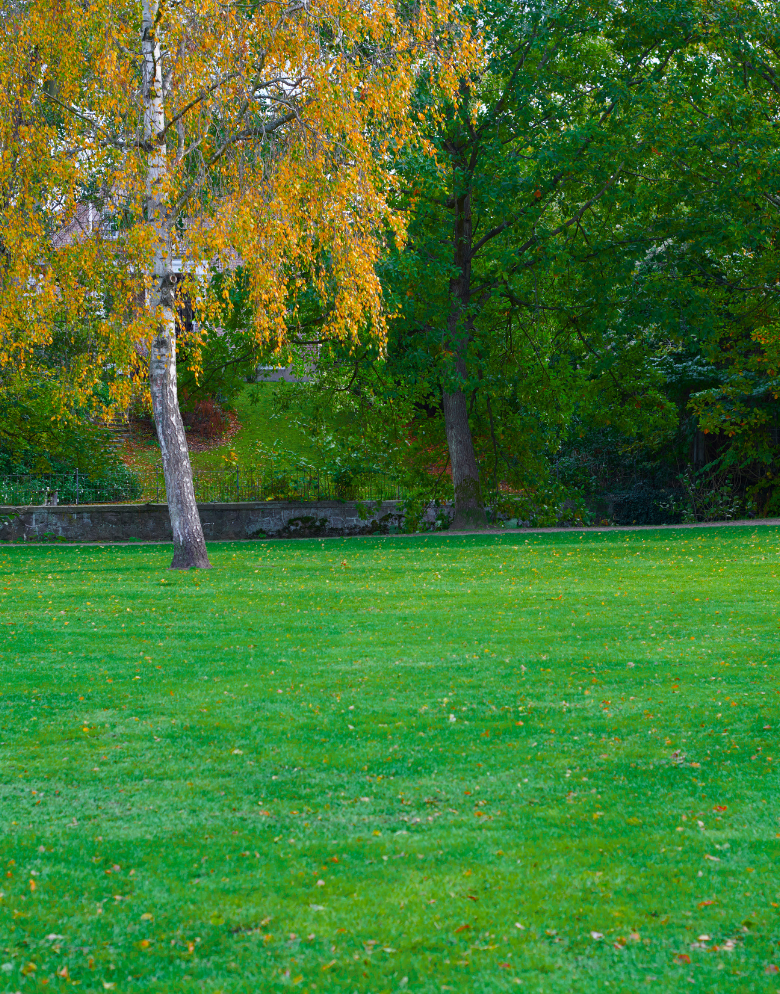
{"x": 469, "y": 508}
{"x": 189, "y": 546}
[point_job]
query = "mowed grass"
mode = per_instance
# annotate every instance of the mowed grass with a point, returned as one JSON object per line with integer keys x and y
{"x": 473, "y": 764}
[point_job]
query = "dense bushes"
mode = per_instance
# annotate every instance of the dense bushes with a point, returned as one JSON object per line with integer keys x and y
{"x": 644, "y": 504}
{"x": 204, "y": 416}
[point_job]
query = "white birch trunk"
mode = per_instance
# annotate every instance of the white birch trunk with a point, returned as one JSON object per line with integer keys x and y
{"x": 189, "y": 546}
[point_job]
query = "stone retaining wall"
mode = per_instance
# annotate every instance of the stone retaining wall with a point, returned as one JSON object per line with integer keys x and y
{"x": 150, "y": 522}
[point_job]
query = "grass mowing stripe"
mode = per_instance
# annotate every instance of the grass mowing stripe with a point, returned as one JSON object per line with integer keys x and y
{"x": 479, "y": 764}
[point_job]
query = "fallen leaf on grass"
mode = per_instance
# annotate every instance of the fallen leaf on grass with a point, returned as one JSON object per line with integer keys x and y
{"x": 683, "y": 958}
{"x": 597, "y": 935}
{"x": 462, "y": 928}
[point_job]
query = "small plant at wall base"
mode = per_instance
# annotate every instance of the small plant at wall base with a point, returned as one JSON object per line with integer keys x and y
{"x": 549, "y": 505}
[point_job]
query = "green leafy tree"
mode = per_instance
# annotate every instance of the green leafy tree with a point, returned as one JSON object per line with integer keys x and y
{"x": 506, "y": 294}
{"x": 722, "y": 146}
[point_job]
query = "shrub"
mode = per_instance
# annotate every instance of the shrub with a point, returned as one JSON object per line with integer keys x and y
{"x": 204, "y": 416}
{"x": 644, "y": 504}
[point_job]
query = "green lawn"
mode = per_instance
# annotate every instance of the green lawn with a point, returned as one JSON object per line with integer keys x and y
{"x": 527, "y": 762}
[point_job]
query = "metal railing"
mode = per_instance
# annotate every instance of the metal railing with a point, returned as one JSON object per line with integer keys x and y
{"x": 234, "y": 485}
{"x": 298, "y": 484}
{"x": 75, "y": 487}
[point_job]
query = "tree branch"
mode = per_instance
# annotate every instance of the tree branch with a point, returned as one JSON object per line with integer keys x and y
{"x": 195, "y": 101}
{"x": 239, "y": 136}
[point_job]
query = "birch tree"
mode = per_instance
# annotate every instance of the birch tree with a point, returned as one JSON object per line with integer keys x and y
{"x": 202, "y": 135}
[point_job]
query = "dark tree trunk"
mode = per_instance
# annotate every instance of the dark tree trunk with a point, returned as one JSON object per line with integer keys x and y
{"x": 469, "y": 510}
{"x": 189, "y": 546}
{"x": 469, "y": 507}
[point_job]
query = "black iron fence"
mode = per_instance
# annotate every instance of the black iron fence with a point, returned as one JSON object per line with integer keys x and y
{"x": 299, "y": 484}
{"x": 211, "y": 486}
{"x": 115, "y": 486}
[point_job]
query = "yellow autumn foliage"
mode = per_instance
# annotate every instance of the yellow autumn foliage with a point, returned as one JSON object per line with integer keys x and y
{"x": 282, "y": 123}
